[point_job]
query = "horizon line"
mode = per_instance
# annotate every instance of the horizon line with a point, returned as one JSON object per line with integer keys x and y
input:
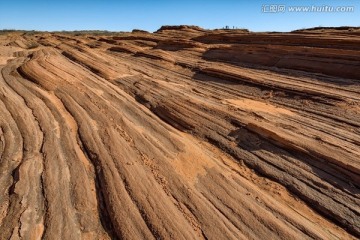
{"x": 139, "y": 29}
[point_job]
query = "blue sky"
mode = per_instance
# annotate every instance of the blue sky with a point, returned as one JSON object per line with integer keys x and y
{"x": 125, "y": 15}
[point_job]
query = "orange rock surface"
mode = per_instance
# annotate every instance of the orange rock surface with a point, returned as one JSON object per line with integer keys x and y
{"x": 184, "y": 133}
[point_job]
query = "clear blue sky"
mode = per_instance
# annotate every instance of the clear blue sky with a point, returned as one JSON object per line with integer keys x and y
{"x": 125, "y": 15}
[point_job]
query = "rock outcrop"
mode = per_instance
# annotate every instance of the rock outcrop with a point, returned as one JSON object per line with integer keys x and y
{"x": 184, "y": 133}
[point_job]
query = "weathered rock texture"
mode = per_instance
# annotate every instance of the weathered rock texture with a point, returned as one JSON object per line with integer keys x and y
{"x": 180, "y": 134}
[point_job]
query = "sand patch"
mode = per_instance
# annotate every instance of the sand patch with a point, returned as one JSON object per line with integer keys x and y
{"x": 193, "y": 161}
{"x": 257, "y": 106}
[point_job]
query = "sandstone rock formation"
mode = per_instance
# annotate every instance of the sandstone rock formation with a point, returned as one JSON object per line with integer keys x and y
{"x": 180, "y": 134}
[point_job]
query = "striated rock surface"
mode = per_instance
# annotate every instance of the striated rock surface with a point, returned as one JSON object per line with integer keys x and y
{"x": 180, "y": 134}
